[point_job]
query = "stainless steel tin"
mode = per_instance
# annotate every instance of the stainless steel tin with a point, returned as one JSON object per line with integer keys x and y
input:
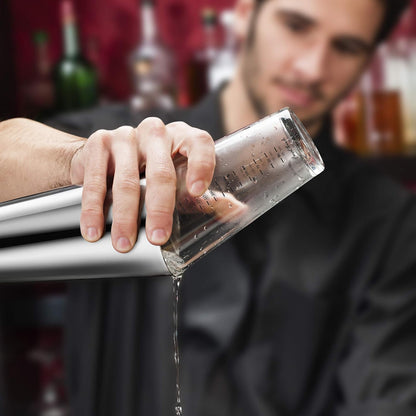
{"x": 40, "y": 240}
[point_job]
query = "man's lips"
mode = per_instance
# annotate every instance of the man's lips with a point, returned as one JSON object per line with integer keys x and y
{"x": 295, "y": 96}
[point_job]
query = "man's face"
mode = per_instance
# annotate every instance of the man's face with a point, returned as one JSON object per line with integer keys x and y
{"x": 306, "y": 54}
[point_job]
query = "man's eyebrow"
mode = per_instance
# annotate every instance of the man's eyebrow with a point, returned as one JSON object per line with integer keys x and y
{"x": 296, "y": 16}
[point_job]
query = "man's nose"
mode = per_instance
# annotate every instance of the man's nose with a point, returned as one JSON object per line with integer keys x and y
{"x": 311, "y": 65}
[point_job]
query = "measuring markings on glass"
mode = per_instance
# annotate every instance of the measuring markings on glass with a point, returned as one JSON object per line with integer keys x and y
{"x": 211, "y": 192}
{"x": 268, "y": 160}
{"x": 228, "y": 183}
{"x": 279, "y": 155}
{"x": 254, "y": 167}
{"x": 293, "y": 133}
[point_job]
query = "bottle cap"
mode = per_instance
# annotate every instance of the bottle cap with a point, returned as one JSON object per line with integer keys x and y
{"x": 40, "y": 37}
{"x": 67, "y": 11}
{"x": 209, "y": 16}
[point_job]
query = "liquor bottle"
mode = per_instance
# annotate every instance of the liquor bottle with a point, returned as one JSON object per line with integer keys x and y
{"x": 223, "y": 66}
{"x": 75, "y": 78}
{"x": 374, "y": 122}
{"x": 51, "y": 398}
{"x": 412, "y": 105}
{"x": 403, "y": 53}
{"x": 198, "y": 66}
{"x": 152, "y": 66}
{"x": 386, "y": 133}
{"x": 38, "y": 92}
{"x": 400, "y": 78}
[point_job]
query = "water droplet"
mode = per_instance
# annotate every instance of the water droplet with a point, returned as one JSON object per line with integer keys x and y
{"x": 205, "y": 227}
{"x": 196, "y": 236}
{"x": 230, "y": 205}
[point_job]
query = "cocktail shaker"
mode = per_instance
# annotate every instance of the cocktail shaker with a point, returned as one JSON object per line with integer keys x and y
{"x": 40, "y": 240}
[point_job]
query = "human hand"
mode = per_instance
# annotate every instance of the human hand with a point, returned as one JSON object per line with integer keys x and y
{"x": 121, "y": 155}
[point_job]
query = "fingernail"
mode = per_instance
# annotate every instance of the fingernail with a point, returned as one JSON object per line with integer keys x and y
{"x": 123, "y": 244}
{"x": 198, "y": 188}
{"x": 158, "y": 236}
{"x": 92, "y": 234}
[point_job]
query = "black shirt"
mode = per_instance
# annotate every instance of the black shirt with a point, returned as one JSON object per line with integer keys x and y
{"x": 311, "y": 310}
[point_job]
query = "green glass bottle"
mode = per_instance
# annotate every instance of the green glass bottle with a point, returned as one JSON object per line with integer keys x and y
{"x": 75, "y": 78}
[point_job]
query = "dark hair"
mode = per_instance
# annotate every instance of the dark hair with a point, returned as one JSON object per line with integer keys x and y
{"x": 392, "y": 13}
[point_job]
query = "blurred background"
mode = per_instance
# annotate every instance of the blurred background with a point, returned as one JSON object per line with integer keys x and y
{"x": 67, "y": 55}
{"x": 109, "y": 33}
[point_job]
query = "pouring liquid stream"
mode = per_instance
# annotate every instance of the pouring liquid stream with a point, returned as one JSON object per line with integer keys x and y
{"x": 176, "y": 286}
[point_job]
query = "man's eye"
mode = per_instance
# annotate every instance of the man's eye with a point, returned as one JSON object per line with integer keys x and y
{"x": 346, "y": 48}
{"x": 296, "y": 26}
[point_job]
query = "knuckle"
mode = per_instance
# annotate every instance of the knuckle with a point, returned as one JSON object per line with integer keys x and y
{"x": 95, "y": 187}
{"x": 99, "y": 140}
{"x": 154, "y": 124}
{"x": 205, "y": 137}
{"x": 204, "y": 164}
{"x": 126, "y": 133}
{"x": 124, "y": 224}
{"x": 99, "y": 135}
{"x": 92, "y": 211}
{"x": 129, "y": 183}
{"x": 158, "y": 211}
{"x": 163, "y": 175}
{"x": 178, "y": 125}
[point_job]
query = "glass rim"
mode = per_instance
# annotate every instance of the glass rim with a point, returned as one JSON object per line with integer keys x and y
{"x": 303, "y": 141}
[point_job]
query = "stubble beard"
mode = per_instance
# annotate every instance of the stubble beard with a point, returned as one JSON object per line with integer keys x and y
{"x": 250, "y": 70}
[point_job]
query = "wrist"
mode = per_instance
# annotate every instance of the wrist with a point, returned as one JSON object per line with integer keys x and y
{"x": 76, "y": 165}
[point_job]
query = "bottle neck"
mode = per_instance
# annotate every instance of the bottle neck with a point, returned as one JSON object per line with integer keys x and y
{"x": 209, "y": 24}
{"x": 43, "y": 64}
{"x": 69, "y": 30}
{"x": 210, "y": 36}
{"x": 71, "y": 46}
{"x": 148, "y": 23}
{"x": 229, "y": 42}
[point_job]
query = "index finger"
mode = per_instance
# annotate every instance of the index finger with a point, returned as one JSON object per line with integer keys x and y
{"x": 198, "y": 146}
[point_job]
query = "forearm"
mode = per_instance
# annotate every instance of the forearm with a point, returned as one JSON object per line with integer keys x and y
{"x": 34, "y": 157}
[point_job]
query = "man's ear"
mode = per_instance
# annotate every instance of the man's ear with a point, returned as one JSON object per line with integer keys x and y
{"x": 243, "y": 11}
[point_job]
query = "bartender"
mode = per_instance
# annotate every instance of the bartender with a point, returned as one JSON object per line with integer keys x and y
{"x": 310, "y": 310}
